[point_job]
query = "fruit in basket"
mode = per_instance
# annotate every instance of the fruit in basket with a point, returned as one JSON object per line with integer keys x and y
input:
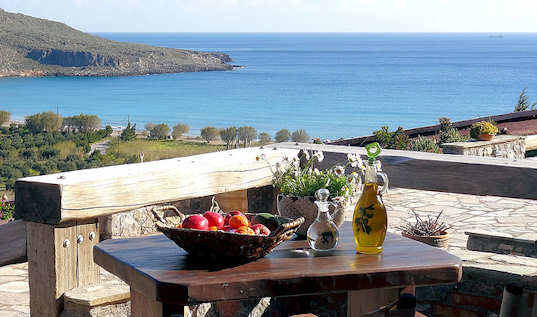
{"x": 215, "y": 219}
{"x": 229, "y": 229}
{"x": 260, "y": 229}
{"x": 196, "y": 222}
{"x": 238, "y": 221}
{"x": 245, "y": 230}
{"x": 231, "y": 214}
{"x": 268, "y": 220}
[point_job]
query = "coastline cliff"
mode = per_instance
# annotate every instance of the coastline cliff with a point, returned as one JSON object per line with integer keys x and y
{"x": 36, "y": 47}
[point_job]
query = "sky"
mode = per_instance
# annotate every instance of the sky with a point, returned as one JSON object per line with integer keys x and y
{"x": 285, "y": 15}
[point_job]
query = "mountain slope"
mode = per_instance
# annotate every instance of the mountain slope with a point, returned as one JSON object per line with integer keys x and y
{"x": 36, "y": 47}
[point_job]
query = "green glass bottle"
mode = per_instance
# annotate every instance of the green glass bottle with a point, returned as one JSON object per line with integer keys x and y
{"x": 370, "y": 221}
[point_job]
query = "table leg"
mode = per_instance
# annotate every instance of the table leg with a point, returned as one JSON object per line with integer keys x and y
{"x": 142, "y": 306}
{"x": 365, "y": 301}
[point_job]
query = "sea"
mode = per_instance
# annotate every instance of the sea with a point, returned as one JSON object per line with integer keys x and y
{"x": 332, "y": 85}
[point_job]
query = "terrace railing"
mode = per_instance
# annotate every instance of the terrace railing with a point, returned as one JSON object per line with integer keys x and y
{"x": 62, "y": 210}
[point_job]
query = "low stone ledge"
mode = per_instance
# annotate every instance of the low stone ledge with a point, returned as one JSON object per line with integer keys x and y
{"x": 502, "y": 243}
{"x": 504, "y": 146}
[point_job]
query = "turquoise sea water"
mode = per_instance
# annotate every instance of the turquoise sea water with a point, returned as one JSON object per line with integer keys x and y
{"x": 332, "y": 85}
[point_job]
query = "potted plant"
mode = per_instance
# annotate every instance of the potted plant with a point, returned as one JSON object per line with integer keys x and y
{"x": 296, "y": 179}
{"x": 430, "y": 231}
{"x": 483, "y": 131}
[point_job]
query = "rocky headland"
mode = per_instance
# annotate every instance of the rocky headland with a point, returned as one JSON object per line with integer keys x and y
{"x": 31, "y": 47}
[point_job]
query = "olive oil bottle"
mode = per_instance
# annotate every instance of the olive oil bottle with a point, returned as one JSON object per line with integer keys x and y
{"x": 370, "y": 221}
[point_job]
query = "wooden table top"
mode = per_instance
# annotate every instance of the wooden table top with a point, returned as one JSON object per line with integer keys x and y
{"x": 159, "y": 269}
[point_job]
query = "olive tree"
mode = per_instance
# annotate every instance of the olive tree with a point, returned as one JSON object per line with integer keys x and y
{"x": 4, "y": 117}
{"x": 283, "y": 135}
{"x": 264, "y": 138}
{"x": 228, "y": 135}
{"x": 209, "y": 134}
{"x": 247, "y": 135}
{"x": 44, "y": 121}
{"x": 160, "y": 131}
{"x": 180, "y": 129}
{"x": 300, "y": 136}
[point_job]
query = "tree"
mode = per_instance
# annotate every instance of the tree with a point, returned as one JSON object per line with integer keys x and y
{"x": 283, "y": 135}
{"x": 264, "y": 138}
{"x": 179, "y": 130}
{"x": 129, "y": 133}
{"x": 209, "y": 134}
{"x": 4, "y": 117}
{"x": 246, "y": 134}
{"x": 160, "y": 131}
{"x": 149, "y": 126}
{"x": 523, "y": 102}
{"x": 44, "y": 121}
{"x": 83, "y": 123}
{"x": 228, "y": 135}
{"x": 300, "y": 136}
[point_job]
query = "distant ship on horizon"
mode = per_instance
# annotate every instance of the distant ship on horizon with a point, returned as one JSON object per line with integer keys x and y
{"x": 496, "y": 36}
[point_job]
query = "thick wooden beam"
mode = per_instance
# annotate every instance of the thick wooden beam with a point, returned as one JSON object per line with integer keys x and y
{"x": 13, "y": 242}
{"x": 444, "y": 172}
{"x": 91, "y": 193}
{"x": 60, "y": 258}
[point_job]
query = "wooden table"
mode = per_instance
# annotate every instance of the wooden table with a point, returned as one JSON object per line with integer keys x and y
{"x": 164, "y": 279}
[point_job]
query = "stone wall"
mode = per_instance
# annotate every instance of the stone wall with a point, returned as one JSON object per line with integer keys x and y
{"x": 504, "y": 146}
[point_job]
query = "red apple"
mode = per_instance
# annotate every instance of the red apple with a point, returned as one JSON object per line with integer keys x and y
{"x": 197, "y": 222}
{"x": 231, "y": 214}
{"x": 260, "y": 229}
{"x": 215, "y": 219}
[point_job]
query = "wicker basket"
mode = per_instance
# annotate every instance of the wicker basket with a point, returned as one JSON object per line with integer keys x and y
{"x": 226, "y": 246}
{"x": 440, "y": 241}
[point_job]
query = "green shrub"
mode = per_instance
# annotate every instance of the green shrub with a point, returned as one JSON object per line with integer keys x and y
{"x": 483, "y": 127}
{"x": 396, "y": 140}
{"x": 448, "y": 133}
{"x": 424, "y": 144}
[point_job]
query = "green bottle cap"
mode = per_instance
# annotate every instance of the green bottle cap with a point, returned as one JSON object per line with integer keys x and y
{"x": 373, "y": 150}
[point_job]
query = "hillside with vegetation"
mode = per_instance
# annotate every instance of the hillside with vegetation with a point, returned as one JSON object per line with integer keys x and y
{"x": 36, "y": 47}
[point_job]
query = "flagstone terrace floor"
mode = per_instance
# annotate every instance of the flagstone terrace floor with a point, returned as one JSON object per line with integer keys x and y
{"x": 517, "y": 217}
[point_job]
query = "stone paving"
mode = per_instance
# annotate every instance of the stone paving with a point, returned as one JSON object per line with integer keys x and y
{"x": 517, "y": 217}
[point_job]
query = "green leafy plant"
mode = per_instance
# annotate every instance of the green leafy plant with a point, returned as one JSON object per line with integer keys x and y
{"x": 483, "y": 127}
{"x": 448, "y": 133}
{"x": 7, "y": 209}
{"x": 396, "y": 140}
{"x": 424, "y": 144}
{"x": 297, "y": 176}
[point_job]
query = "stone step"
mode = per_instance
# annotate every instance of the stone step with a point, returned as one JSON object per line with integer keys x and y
{"x": 109, "y": 299}
{"x": 502, "y": 243}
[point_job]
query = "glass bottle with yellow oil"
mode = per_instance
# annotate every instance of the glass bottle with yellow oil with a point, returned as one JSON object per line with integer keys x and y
{"x": 370, "y": 220}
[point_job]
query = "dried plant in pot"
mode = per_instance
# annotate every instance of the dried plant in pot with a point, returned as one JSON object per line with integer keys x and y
{"x": 431, "y": 231}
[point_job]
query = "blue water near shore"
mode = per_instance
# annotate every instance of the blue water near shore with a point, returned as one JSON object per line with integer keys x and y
{"x": 332, "y": 85}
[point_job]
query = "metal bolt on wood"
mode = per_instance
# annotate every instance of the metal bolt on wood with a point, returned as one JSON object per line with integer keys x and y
{"x": 79, "y": 239}
{"x": 66, "y": 243}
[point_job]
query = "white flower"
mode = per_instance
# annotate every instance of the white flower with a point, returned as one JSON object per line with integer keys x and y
{"x": 319, "y": 156}
{"x": 339, "y": 170}
{"x": 306, "y": 155}
{"x": 350, "y": 180}
{"x": 261, "y": 157}
{"x": 378, "y": 166}
{"x": 316, "y": 172}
